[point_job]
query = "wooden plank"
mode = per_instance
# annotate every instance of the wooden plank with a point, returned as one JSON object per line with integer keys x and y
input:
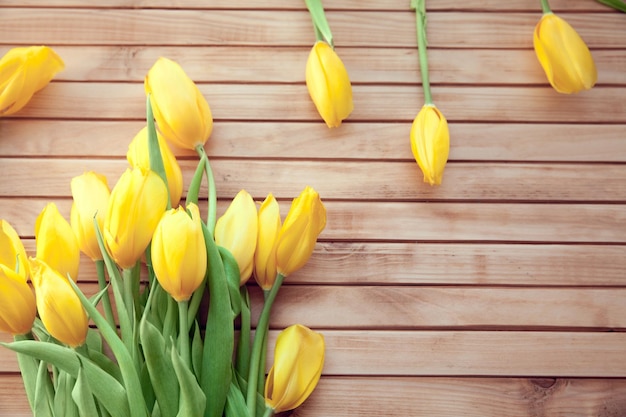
{"x": 454, "y": 353}
{"x": 293, "y": 140}
{"x": 432, "y": 396}
{"x": 365, "y": 65}
{"x": 426, "y": 222}
{"x": 535, "y": 265}
{"x": 344, "y": 180}
{"x": 410, "y": 308}
{"x": 468, "y": 397}
{"x": 444, "y": 5}
{"x": 290, "y": 28}
{"x": 262, "y": 102}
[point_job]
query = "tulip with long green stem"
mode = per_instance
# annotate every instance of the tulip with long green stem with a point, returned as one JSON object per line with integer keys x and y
{"x": 430, "y": 138}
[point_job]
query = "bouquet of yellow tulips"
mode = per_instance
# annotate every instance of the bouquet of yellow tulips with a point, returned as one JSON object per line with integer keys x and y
{"x": 153, "y": 351}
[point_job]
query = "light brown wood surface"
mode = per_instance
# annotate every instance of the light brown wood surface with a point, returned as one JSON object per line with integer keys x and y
{"x": 500, "y": 293}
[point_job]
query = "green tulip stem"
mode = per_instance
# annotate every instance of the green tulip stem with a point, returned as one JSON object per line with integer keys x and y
{"x": 212, "y": 197}
{"x": 420, "y": 17}
{"x": 183, "y": 333}
{"x": 260, "y": 339}
{"x": 269, "y": 412}
{"x": 106, "y": 301}
{"x": 320, "y": 24}
{"x": 545, "y": 6}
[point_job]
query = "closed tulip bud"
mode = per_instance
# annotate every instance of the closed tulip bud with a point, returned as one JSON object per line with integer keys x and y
{"x": 23, "y": 72}
{"x": 17, "y": 303}
{"x": 182, "y": 113}
{"x": 237, "y": 231}
{"x": 135, "y": 207}
{"x": 564, "y": 56}
{"x": 265, "y": 254}
{"x": 12, "y": 251}
{"x": 56, "y": 243}
{"x": 58, "y": 305}
{"x": 178, "y": 251}
{"x": 298, "y": 363}
{"x": 430, "y": 143}
{"x": 304, "y": 222}
{"x": 139, "y": 156}
{"x": 91, "y": 193}
{"x": 328, "y": 84}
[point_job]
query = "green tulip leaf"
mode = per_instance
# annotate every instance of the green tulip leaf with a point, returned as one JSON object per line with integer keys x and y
{"x": 83, "y": 397}
{"x": 231, "y": 269}
{"x": 243, "y": 345}
{"x": 196, "y": 350}
{"x": 160, "y": 369}
{"x": 235, "y": 403}
{"x": 320, "y": 24}
{"x": 94, "y": 340}
{"x": 44, "y": 392}
{"x": 107, "y": 389}
{"x": 616, "y": 4}
{"x": 28, "y": 366}
{"x": 63, "y": 403}
{"x": 134, "y": 393}
{"x": 154, "y": 151}
{"x": 218, "y": 347}
{"x": 192, "y": 399}
{"x": 148, "y": 389}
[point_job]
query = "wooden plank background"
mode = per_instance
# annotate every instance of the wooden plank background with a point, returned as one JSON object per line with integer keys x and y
{"x": 499, "y": 293}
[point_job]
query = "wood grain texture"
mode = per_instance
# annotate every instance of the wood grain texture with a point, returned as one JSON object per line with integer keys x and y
{"x": 499, "y": 293}
{"x": 433, "y": 396}
{"x": 504, "y": 142}
{"x": 241, "y": 64}
{"x": 350, "y": 28}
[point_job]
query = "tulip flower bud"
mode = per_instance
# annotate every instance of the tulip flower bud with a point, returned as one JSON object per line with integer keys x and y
{"x": 58, "y": 305}
{"x": 56, "y": 243}
{"x": 430, "y": 143}
{"x": 328, "y": 84}
{"x": 304, "y": 222}
{"x": 12, "y": 251}
{"x": 265, "y": 254}
{"x": 182, "y": 113}
{"x": 23, "y": 72}
{"x": 135, "y": 207}
{"x": 237, "y": 231}
{"x": 298, "y": 363}
{"x": 139, "y": 156}
{"x": 564, "y": 56}
{"x": 91, "y": 193}
{"x": 178, "y": 249}
{"x": 17, "y": 303}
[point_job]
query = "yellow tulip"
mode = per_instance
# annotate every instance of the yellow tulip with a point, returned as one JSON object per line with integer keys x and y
{"x": 237, "y": 231}
{"x": 23, "y": 72}
{"x": 17, "y": 303}
{"x": 265, "y": 254}
{"x": 430, "y": 143}
{"x": 56, "y": 243}
{"x": 178, "y": 251}
{"x": 304, "y": 222}
{"x": 138, "y": 156}
{"x": 564, "y": 56}
{"x": 298, "y": 363}
{"x": 58, "y": 305}
{"x": 91, "y": 193}
{"x": 328, "y": 84}
{"x": 12, "y": 251}
{"x": 135, "y": 207}
{"x": 182, "y": 113}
